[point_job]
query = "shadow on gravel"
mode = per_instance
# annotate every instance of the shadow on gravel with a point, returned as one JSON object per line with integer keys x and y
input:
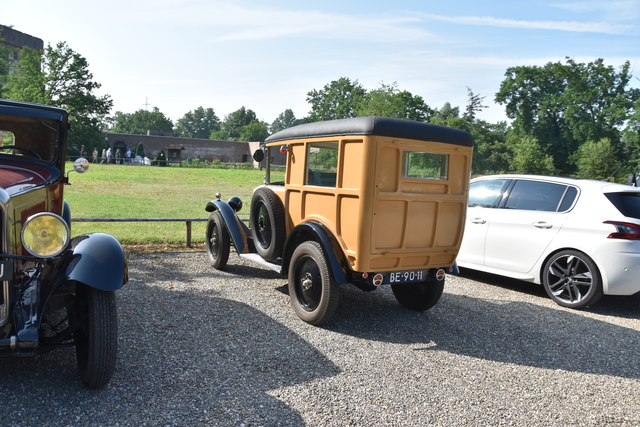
{"x": 509, "y": 332}
{"x": 210, "y": 362}
{"x": 611, "y": 305}
{"x": 191, "y": 357}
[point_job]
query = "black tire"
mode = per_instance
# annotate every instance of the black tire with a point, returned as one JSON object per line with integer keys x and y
{"x": 267, "y": 222}
{"x": 419, "y": 296}
{"x": 96, "y": 335}
{"x": 217, "y": 241}
{"x": 313, "y": 292}
{"x": 572, "y": 279}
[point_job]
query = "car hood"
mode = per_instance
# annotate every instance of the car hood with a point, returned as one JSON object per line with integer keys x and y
{"x": 17, "y": 178}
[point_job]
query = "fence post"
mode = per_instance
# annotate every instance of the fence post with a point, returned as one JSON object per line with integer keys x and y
{"x": 188, "y": 234}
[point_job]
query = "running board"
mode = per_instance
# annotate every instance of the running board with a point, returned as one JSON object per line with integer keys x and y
{"x": 259, "y": 260}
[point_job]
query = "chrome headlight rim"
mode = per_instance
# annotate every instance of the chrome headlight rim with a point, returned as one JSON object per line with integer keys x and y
{"x": 63, "y": 243}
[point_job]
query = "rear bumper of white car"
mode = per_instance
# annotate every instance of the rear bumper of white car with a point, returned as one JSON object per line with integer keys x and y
{"x": 619, "y": 263}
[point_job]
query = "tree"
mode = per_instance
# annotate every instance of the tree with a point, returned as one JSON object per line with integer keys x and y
{"x": 631, "y": 139}
{"x": 5, "y": 53}
{"x": 139, "y": 149}
{"x": 231, "y": 127}
{"x": 254, "y": 131}
{"x": 563, "y": 105}
{"x": 285, "y": 120}
{"x": 474, "y": 106}
{"x": 597, "y": 99}
{"x": 389, "y": 101}
{"x": 596, "y": 160}
{"x": 337, "y": 100}
{"x": 446, "y": 112}
{"x": 60, "y": 77}
{"x": 530, "y": 158}
{"x": 160, "y": 160}
{"x": 491, "y": 153}
{"x": 198, "y": 123}
{"x": 142, "y": 121}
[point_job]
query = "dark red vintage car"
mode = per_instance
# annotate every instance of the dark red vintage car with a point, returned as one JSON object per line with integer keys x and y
{"x": 55, "y": 291}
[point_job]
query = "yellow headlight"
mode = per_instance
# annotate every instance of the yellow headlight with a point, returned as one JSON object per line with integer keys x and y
{"x": 45, "y": 235}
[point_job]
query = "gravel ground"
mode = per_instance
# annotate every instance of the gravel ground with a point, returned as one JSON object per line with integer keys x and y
{"x": 203, "y": 347}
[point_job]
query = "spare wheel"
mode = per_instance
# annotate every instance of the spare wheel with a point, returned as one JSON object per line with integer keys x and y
{"x": 267, "y": 222}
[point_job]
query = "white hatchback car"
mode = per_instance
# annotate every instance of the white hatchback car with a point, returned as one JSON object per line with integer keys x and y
{"x": 580, "y": 239}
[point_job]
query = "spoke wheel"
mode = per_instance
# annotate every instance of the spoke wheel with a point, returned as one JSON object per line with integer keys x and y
{"x": 95, "y": 335}
{"x": 419, "y": 296}
{"x": 314, "y": 294}
{"x": 267, "y": 222}
{"x": 572, "y": 279}
{"x": 217, "y": 241}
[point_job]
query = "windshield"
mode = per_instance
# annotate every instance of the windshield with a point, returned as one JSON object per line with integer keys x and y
{"x": 28, "y": 136}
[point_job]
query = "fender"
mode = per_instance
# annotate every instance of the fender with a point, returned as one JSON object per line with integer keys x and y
{"x": 236, "y": 228}
{"x": 96, "y": 260}
{"x": 318, "y": 232}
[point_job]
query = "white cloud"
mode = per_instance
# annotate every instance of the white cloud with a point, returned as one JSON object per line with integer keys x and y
{"x": 618, "y": 10}
{"x": 326, "y": 26}
{"x": 228, "y": 21}
{"x": 591, "y": 27}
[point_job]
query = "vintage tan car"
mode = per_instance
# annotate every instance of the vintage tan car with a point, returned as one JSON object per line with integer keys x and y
{"x": 369, "y": 201}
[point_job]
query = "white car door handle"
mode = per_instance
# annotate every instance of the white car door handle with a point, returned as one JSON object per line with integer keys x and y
{"x": 478, "y": 221}
{"x": 542, "y": 224}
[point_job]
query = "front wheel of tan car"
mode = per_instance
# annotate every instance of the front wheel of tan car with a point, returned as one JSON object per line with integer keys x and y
{"x": 419, "y": 296}
{"x": 218, "y": 242}
{"x": 95, "y": 335}
{"x": 313, "y": 292}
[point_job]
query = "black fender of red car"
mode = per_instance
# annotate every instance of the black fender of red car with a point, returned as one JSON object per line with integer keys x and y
{"x": 96, "y": 260}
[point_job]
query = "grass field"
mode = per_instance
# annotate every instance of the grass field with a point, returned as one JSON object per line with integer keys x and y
{"x": 118, "y": 191}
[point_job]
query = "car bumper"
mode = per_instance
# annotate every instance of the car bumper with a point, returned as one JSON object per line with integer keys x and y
{"x": 620, "y": 267}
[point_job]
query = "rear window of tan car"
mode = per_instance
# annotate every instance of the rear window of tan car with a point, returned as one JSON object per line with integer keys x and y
{"x": 423, "y": 165}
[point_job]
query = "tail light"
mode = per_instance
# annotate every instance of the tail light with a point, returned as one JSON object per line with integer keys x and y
{"x": 624, "y": 230}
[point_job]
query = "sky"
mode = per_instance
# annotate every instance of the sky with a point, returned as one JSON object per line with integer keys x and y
{"x": 266, "y": 55}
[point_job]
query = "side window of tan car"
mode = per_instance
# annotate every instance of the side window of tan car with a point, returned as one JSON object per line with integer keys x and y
{"x": 322, "y": 163}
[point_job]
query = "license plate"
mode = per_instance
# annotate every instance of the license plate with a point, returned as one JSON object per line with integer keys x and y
{"x": 408, "y": 276}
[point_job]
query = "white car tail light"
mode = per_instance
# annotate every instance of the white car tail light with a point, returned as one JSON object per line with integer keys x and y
{"x": 624, "y": 230}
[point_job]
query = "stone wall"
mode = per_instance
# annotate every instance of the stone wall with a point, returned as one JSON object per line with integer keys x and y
{"x": 190, "y": 148}
{"x": 17, "y": 39}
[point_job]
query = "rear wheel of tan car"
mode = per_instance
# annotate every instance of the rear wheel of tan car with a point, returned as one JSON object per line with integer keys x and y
{"x": 267, "y": 222}
{"x": 95, "y": 335}
{"x": 572, "y": 279}
{"x": 314, "y": 294}
{"x": 419, "y": 296}
{"x": 217, "y": 241}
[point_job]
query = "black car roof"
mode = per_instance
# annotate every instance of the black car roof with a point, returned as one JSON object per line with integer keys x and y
{"x": 373, "y": 125}
{"x": 28, "y": 109}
